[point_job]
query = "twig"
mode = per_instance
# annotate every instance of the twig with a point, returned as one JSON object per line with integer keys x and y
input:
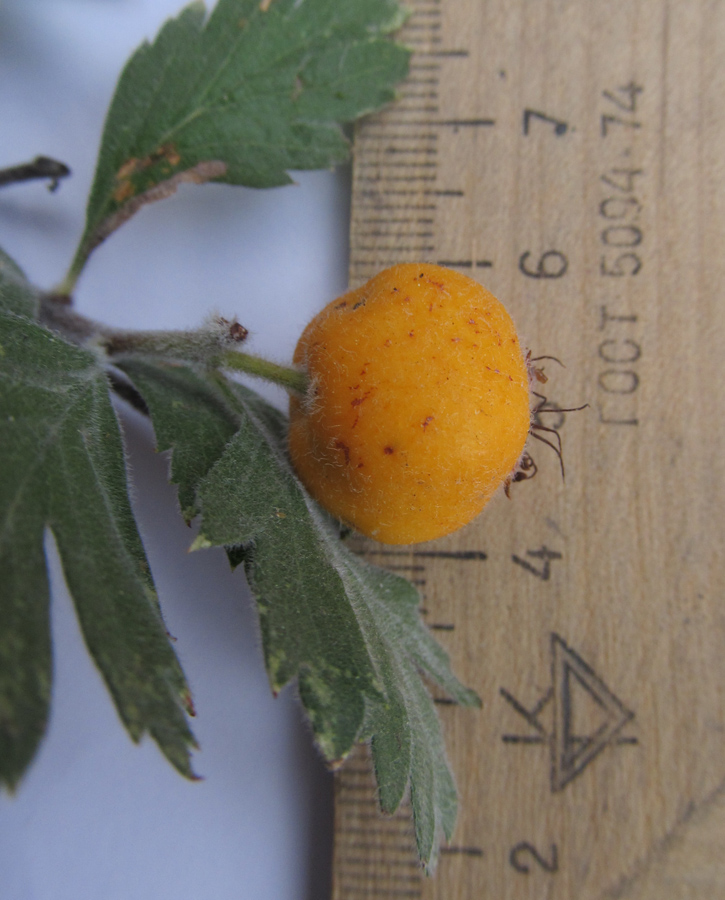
{"x": 40, "y": 167}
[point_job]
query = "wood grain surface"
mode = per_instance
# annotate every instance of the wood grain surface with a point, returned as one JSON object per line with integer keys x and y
{"x": 570, "y": 154}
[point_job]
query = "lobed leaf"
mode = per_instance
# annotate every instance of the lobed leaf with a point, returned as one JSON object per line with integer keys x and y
{"x": 253, "y": 91}
{"x": 190, "y": 417}
{"x": 251, "y": 502}
{"x": 349, "y": 632}
{"x": 63, "y": 469}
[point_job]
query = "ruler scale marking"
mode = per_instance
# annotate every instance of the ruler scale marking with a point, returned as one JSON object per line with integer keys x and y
{"x": 571, "y": 159}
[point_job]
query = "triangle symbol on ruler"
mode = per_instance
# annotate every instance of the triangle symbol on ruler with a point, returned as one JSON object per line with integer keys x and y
{"x": 576, "y": 685}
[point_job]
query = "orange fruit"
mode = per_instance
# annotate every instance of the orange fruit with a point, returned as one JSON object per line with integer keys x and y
{"x": 418, "y": 403}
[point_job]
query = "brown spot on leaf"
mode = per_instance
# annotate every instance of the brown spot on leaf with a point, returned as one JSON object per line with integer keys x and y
{"x": 198, "y": 174}
{"x": 170, "y": 154}
{"x": 127, "y": 169}
{"x": 166, "y": 154}
{"x": 124, "y": 191}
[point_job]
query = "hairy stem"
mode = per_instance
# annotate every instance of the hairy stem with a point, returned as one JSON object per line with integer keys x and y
{"x": 213, "y": 346}
{"x": 203, "y": 346}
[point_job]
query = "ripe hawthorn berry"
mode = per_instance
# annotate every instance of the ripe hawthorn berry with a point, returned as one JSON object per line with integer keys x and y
{"x": 418, "y": 403}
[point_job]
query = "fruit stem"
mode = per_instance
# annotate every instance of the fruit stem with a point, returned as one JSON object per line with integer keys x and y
{"x": 293, "y": 380}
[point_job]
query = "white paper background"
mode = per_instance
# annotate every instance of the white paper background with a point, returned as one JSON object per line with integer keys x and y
{"x": 98, "y": 817}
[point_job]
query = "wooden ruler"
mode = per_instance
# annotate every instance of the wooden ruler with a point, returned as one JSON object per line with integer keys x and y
{"x": 570, "y": 154}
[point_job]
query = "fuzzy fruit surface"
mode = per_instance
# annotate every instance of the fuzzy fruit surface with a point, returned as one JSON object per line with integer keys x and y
{"x": 418, "y": 405}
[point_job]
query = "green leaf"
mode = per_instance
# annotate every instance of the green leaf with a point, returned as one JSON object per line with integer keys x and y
{"x": 189, "y": 417}
{"x": 17, "y": 295}
{"x": 257, "y": 89}
{"x": 63, "y": 469}
{"x": 348, "y": 631}
{"x": 407, "y": 743}
{"x": 308, "y": 629}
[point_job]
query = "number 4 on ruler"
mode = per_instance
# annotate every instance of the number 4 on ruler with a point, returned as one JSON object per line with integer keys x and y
{"x": 544, "y": 573}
